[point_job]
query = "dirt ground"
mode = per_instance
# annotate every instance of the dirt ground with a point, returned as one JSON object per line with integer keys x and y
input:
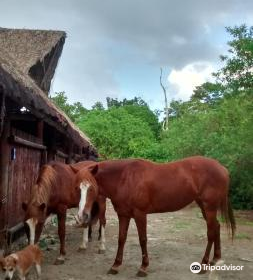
{"x": 175, "y": 240}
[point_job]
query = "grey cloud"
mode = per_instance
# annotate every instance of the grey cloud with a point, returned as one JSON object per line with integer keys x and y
{"x": 103, "y": 36}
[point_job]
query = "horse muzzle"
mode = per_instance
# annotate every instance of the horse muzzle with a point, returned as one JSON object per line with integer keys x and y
{"x": 82, "y": 220}
{"x": 86, "y": 218}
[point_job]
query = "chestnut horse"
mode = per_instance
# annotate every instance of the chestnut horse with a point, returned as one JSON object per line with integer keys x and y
{"x": 54, "y": 192}
{"x": 139, "y": 187}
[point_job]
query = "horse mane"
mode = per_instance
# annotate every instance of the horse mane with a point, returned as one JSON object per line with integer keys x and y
{"x": 42, "y": 189}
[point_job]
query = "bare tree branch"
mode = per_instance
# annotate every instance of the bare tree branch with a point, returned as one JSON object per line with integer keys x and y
{"x": 166, "y": 122}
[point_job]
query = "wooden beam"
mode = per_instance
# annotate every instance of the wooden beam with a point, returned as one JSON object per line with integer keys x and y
{"x": 20, "y": 141}
{"x": 22, "y": 117}
{"x": 76, "y": 157}
{"x": 61, "y": 154}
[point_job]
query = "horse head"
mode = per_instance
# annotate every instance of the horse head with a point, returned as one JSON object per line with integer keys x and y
{"x": 36, "y": 208}
{"x": 35, "y": 216}
{"x": 89, "y": 192}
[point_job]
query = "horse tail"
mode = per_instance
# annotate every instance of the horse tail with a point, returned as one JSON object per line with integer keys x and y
{"x": 228, "y": 215}
{"x": 231, "y": 218}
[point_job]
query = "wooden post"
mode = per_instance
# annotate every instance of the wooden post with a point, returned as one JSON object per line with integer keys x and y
{"x": 70, "y": 152}
{"x": 40, "y": 128}
{"x": 40, "y": 135}
{"x": 52, "y": 147}
{"x": 4, "y": 170}
{"x": 2, "y": 109}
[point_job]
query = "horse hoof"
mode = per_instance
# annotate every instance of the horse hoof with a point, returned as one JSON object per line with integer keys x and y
{"x": 214, "y": 261}
{"x": 113, "y": 271}
{"x": 81, "y": 249}
{"x": 202, "y": 271}
{"x": 59, "y": 261}
{"x": 101, "y": 251}
{"x": 141, "y": 273}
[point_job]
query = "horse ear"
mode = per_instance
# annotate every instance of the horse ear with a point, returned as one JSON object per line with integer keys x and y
{"x": 74, "y": 169}
{"x": 42, "y": 206}
{"x": 93, "y": 169}
{"x": 24, "y": 206}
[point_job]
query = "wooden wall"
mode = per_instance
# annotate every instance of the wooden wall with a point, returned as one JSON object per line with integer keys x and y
{"x": 24, "y": 165}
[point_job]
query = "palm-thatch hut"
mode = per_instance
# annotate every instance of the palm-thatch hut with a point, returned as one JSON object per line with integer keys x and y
{"x": 32, "y": 129}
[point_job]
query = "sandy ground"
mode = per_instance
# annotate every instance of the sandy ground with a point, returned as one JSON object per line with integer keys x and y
{"x": 175, "y": 240}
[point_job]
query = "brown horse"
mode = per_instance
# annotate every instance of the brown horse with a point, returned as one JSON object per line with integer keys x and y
{"x": 54, "y": 192}
{"x": 140, "y": 187}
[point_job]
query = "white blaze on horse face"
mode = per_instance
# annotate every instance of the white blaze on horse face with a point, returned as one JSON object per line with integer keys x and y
{"x": 84, "y": 186}
{"x": 32, "y": 224}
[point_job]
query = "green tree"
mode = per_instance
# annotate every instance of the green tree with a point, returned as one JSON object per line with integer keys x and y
{"x": 117, "y": 133}
{"x": 223, "y": 133}
{"x": 237, "y": 74}
{"x": 61, "y": 100}
{"x": 114, "y": 102}
{"x": 98, "y": 106}
{"x": 217, "y": 120}
{"x": 73, "y": 111}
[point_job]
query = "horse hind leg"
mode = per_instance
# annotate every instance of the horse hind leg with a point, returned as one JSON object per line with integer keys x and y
{"x": 212, "y": 233}
{"x": 101, "y": 237}
{"x": 217, "y": 244}
{"x": 216, "y": 226}
{"x": 99, "y": 231}
{"x": 90, "y": 233}
{"x": 102, "y": 223}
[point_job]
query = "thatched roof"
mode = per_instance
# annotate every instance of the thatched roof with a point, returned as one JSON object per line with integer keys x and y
{"x": 22, "y": 53}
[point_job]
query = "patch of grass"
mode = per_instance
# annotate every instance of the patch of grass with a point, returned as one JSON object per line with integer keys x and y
{"x": 221, "y": 219}
{"x": 248, "y": 223}
{"x": 182, "y": 225}
{"x": 244, "y": 222}
{"x": 242, "y": 236}
{"x": 199, "y": 215}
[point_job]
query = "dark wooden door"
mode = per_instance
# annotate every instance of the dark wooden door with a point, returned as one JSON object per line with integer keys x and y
{"x": 24, "y": 165}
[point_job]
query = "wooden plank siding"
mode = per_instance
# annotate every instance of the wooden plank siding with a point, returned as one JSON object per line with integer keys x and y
{"x": 23, "y": 172}
{"x": 24, "y": 165}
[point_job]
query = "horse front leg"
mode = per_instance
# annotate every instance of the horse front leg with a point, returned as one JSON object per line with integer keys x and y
{"x": 85, "y": 240}
{"x": 123, "y": 228}
{"x": 61, "y": 215}
{"x": 141, "y": 224}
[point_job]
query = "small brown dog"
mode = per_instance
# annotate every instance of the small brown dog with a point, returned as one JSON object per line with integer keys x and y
{"x": 21, "y": 262}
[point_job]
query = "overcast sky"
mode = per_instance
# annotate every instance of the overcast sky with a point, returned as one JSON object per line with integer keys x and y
{"x": 116, "y": 47}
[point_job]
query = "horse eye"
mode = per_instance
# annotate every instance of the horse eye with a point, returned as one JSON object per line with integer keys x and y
{"x": 11, "y": 269}
{"x": 4, "y": 269}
